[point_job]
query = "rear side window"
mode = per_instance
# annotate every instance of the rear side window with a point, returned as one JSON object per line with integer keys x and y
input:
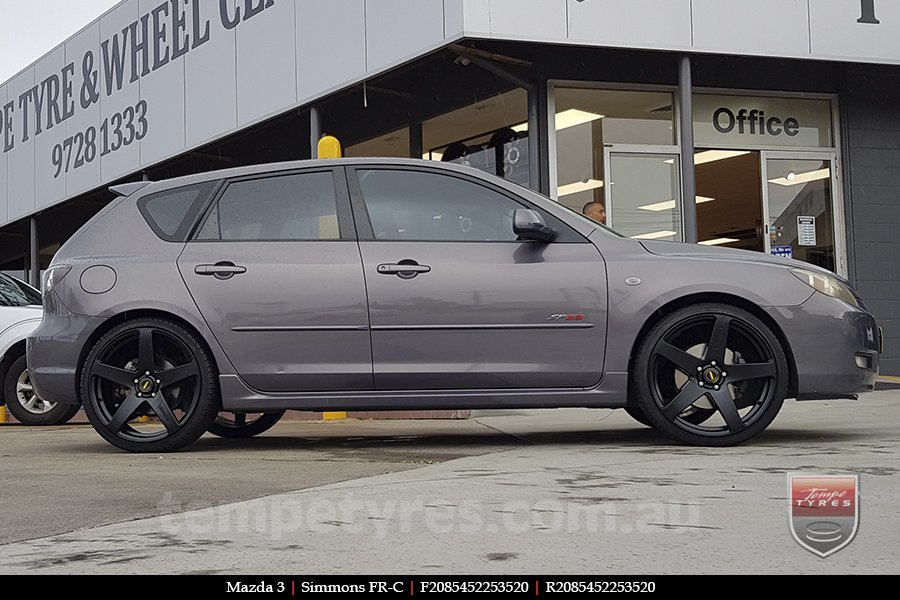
{"x": 299, "y": 207}
{"x": 15, "y": 293}
{"x": 172, "y": 213}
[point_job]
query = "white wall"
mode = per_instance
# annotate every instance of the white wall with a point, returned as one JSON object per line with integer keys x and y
{"x": 293, "y": 52}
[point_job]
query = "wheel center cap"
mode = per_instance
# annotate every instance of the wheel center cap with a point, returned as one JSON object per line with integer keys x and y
{"x": 145, "y": 385}
{"x": 711, "y": 375}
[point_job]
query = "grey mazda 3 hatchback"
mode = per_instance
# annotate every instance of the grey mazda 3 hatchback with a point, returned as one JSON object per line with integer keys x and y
{"x": 215, "y": 302}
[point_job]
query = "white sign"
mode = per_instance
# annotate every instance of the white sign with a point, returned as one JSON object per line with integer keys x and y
{"x": 761, "y": 121}
{"x": 806, "y": 231}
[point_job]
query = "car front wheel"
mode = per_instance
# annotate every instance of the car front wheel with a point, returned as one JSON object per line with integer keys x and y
{"x": 26, "y": 406}
{"x": 710, "y": 375}
{"x": 150, "y": 368}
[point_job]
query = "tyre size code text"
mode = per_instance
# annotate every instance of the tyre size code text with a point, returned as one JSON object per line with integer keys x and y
{"x": 116, "y": 132}
{"x": 472, "y": 587}
{"x": 598, "y": 587}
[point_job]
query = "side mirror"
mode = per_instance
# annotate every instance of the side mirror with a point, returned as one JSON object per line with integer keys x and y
{"x": 529, "y": 225}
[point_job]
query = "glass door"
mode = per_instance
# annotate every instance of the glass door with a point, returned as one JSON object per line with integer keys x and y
{"x": 800, "y": 209}
{"x": 643, "y": 197}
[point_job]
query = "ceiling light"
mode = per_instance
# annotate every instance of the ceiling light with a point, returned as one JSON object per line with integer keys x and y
{"x": 708, "y": 156}
{"x": 566, "y": 119}
{"x": 655, "y": 235}
{"x": 718, "y": 241}
{"x": 801, "y": 178}
{"x": 433, "y": 156}
{"x": 578, "y": 186}
{"x": 791, "y": 176}
{"x": 670, "y": 204}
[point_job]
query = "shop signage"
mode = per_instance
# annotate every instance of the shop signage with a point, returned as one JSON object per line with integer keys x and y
{"x": 158, "y": 37}
{"x": 752, "y": 121}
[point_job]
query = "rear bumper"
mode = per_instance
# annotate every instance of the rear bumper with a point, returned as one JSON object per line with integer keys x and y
{"x": 54, "y": 355}
{"x": 836, "y": 347}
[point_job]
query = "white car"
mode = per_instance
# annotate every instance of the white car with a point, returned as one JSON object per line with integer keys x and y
{"x": 20, "y": 314}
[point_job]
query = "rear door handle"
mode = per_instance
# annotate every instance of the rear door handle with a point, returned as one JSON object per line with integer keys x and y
{"x": 405, "y": 269}
{"x": 220, "y": 270}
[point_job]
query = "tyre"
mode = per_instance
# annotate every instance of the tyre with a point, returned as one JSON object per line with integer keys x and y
{"x": 710, "y": 375}
{"x": 694, "y": 415}
{"x": 242, "y": 425}
{"x": 637, "y": 414}
{"x": 155, "y": 368}
{"x": 26, "y": 406}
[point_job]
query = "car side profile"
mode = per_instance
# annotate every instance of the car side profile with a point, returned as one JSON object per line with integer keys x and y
{"x": 20, "y": 313}
{"x": 218, "y": 301}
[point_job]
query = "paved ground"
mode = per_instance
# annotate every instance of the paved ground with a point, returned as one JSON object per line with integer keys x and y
{"x": 570, "y": 491}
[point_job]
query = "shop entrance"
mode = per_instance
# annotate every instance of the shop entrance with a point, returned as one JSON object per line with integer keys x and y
{"x": 776, "y": 202}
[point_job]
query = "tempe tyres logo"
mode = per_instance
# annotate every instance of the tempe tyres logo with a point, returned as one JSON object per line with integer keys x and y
{"x": 824, "y": 511}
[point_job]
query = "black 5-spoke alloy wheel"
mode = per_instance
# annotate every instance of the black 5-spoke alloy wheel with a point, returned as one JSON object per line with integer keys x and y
{"x": 243, "y": 425}
{"x": 711, "y": 375}
{"x": 151, "y": 368}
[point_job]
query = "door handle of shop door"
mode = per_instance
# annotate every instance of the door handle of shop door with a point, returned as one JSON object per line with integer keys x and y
{"x": 405, "y": 269}
{"x": 220, "y": 270}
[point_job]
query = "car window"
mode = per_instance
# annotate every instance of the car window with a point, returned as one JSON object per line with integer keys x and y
{"x": 172, "y": 213}
{"x": 415, "y": 205}
{"x": 287, "y": 207}
{"x": 14, "y": 293}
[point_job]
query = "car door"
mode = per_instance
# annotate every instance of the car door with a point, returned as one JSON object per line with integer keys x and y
{"x": 275, "y": 270}
{"x": 456, "y": 302}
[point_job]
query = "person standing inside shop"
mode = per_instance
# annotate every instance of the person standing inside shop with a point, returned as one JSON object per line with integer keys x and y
{"x": 595, "y": 211}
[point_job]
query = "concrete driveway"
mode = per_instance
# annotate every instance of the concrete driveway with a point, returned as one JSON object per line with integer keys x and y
{"x": 569, "y": 491}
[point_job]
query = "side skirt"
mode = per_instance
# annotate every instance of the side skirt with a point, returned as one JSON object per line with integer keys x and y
{"x": 610, "y": 393}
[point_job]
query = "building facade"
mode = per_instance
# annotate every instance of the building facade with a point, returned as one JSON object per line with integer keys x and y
{"x": 771, "y": 125}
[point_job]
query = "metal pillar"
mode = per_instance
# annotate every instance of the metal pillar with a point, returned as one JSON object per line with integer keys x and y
{"x": 315, "y": 131}
{"x": 416, "y": 142}
{"x": 34, "y": 271}
{"x": 686, "y": 126}
{"x": 535, "y": 133}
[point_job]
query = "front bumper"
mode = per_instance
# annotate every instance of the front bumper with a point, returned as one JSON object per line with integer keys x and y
{"x": 836, "y": 347}
{"x": 54, "y": 353}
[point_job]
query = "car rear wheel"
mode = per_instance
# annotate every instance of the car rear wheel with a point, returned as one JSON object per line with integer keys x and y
{"x": 710, "y": 375}
{"x": 150, "y": 368}
{"x": 26, "y": 406}
{"x": 243, "y": 425}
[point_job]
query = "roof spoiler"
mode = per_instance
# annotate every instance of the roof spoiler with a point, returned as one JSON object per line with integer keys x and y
{"x": 127, "y": 189}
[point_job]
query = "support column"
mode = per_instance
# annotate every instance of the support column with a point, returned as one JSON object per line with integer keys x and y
{"x": 34, "y": 271}
{"x": 315, "y": 131}
{"x": 416, "y": 143}
{"x": 686, "y": 126}
{"x": 535, "y": 133}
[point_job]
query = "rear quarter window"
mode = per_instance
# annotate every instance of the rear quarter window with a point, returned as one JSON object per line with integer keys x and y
{"x": 173, "y": 213}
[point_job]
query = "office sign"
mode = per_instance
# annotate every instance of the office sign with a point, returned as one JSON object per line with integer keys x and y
{"x": 758, "y": 121}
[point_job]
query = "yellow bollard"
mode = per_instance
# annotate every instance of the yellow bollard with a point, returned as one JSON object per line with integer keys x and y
{"x": 330, "y": 147}
{"x": 3, "y": 417}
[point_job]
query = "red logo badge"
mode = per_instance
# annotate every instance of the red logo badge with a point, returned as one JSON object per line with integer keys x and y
{"x": 824, "y": 511}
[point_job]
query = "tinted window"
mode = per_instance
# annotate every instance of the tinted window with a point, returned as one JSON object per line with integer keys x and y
{"x": 413, "y": 205}
{"x": 171, "y": 214}
{"x": 14, "y": 293}
{"x": 287, "y": 207}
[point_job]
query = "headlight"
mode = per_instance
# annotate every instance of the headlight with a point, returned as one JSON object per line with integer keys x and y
{"x": 53, "y": 276}
{"x": 830, "y": 286}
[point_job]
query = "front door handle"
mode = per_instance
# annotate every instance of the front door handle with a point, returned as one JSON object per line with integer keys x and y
{"x": 220, "y": 270}
{"x": 405, "y": 269}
